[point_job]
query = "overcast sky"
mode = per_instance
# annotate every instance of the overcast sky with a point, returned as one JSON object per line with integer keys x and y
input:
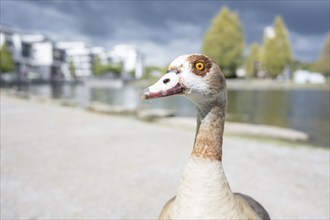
{"x": 164, "y": 30}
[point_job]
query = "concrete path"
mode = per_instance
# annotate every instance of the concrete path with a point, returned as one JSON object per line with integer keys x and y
{"x": 65, "y": 163}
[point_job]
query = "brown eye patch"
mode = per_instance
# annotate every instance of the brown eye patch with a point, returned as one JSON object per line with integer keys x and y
{"x": 200, "y": 64}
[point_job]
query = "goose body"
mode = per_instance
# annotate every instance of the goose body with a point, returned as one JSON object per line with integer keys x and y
{"x": 204, "y": 192}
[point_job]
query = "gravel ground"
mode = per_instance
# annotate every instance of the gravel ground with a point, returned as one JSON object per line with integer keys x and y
{"x": 65, "y": 163}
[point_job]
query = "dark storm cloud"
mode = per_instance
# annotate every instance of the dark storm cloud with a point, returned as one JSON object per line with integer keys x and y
{"x": 99, "y": 19}
{"x": 160, "y": 24}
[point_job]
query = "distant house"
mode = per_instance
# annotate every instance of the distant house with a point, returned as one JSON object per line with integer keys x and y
{"x": 80, "y": 55}
{"x": 35, "y": 56}
{"x": 304, "y": 76}
{"x": 101, "y": 53}
{"x": 40, "y": 56}
{"x": 129, "y": 57}
{"x": 83, "y": 57}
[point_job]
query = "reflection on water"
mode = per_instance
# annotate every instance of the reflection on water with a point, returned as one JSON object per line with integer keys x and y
{"x": 57, "y": 90}
{"x": 128, "y": 96}
{"x": 304, "y": 110}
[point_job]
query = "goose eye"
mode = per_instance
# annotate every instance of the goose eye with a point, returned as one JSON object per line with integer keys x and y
{"x": 199, "y": 66}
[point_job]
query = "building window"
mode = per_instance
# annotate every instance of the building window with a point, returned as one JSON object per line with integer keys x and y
{"x": 26, "y": 50}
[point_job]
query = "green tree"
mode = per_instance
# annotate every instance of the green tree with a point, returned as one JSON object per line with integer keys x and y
{"x": 252, "y": 60}
{"x": 114, "y": 68}
{"x": 6, "y": 61}
{"x": 98, "y": 68}
{"x": 297, "y": 65}
{"x": 276, "y": 53}
{"x": 224, "y": 41}
{"x": 322, "y": 64}
{"x": 148, "y": 70}
{"x": 72, "y": 69}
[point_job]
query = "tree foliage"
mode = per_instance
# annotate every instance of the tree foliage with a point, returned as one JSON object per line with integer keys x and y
{"x": 276, "y": 53}
{"x": 72, "y": 69}
{"x": 97, "y": 66}
{"x": 252, "y": 60}
{"x": 113, "y": 68}
{"x": 99, "y": 69}
{"x": 322, "y": 64}
{"x": 149, "y": 70}
{"x": 6, "y": 60}
{"x": 301, "y": 65}
{"x": 224, "y": 41}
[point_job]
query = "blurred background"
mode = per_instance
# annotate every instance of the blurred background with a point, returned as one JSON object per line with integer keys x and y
{"x": 98, "y": 55}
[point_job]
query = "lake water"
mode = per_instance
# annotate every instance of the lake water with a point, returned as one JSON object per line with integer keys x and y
{"x": 303, "y": 110}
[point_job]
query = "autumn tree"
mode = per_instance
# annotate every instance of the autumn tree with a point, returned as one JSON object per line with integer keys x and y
{"x": 224, "y": 41}
{"x": 276, "y": 53}
{"x": 6, "y": 60}
{"x": 252, "y": 60}
{"x": 322, "y": 64}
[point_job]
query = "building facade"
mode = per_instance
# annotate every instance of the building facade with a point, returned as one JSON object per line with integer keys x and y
{"x": 35, "y": 56}
{"x": 130, "y": 58}
{"x": 79, "y": 54}
{"x": 39, "y": 57}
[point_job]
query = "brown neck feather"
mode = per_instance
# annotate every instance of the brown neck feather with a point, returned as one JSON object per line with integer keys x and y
{"x": 209, "y": 132}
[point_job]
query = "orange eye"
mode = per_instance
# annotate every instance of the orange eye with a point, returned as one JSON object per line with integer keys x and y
{"x": 199, "y": 66}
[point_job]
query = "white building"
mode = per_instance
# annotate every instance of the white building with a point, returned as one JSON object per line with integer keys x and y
{"x": 101, "y": 53}
{"x": 84, "y": 56}
{"x": 80, "y": 54}
{"x": 129, "y": 57}
{"x": 34, "y": 55}
{"x": 45, "y": 59}
{"x": 41, "y": 57}
{"x": 304, "y": 76}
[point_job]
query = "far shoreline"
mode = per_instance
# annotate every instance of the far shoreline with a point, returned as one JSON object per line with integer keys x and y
{"x": 255, "y": 84}
{"x": 268, "y": 133}
{"x": 272, "y": 133}
{"x": 268, "y": 84}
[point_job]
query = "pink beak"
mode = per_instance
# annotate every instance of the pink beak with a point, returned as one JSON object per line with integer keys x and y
{"x": 168, "y": 85}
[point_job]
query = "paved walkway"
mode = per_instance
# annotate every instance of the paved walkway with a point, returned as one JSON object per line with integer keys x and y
{"x": 64, "y": 163}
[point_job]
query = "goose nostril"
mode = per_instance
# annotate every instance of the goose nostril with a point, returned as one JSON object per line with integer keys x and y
{"x": 167, "y": 80}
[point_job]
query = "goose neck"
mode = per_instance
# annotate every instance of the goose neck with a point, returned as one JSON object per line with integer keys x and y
{"x": 209, "y": 132}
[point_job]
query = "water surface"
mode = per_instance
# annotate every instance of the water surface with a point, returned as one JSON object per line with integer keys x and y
{"x": 303, "y": 110}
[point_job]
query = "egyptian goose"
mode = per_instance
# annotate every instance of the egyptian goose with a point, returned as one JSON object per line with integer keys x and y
{"x": 204, "y": 192}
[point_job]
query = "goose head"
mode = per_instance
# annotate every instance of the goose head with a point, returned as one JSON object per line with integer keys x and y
{"x": 195, "y": 76}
